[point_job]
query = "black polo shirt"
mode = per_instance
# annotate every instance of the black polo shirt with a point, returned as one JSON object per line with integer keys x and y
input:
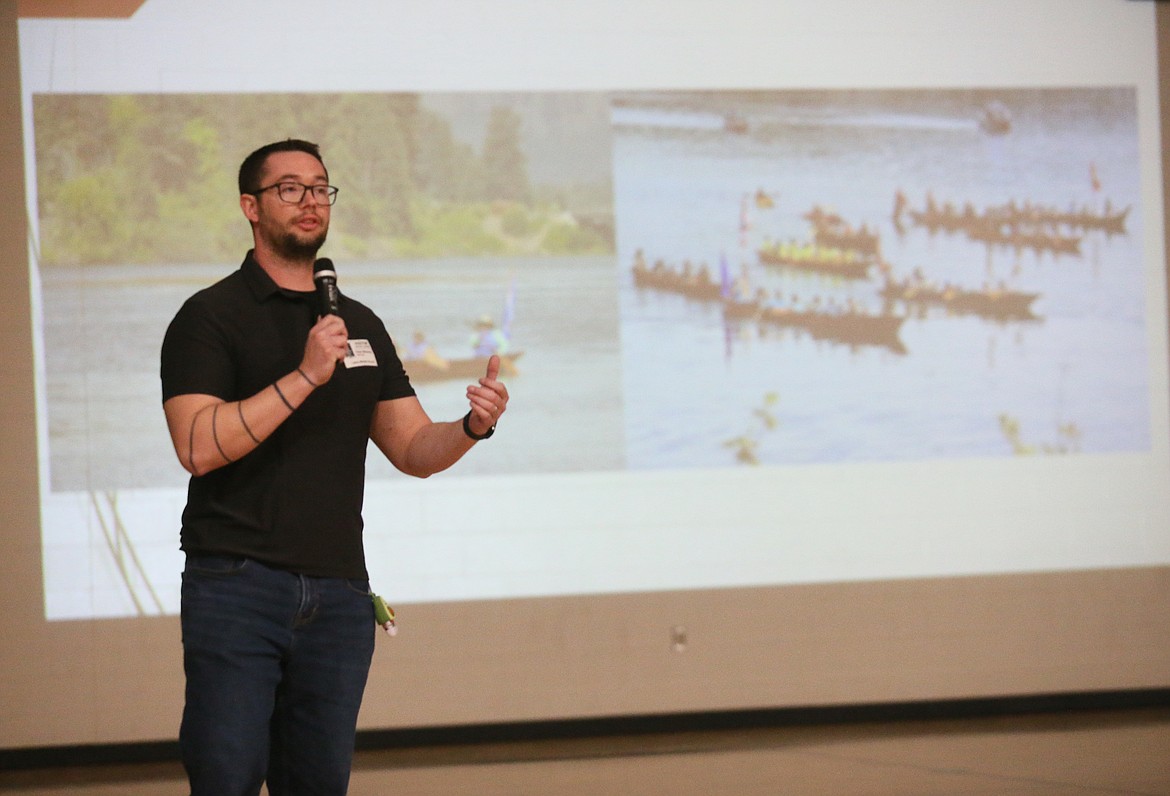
{"x": 295, "y": 502}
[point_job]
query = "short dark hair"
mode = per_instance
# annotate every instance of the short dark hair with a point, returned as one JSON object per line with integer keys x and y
{"x": 253, "y": 165}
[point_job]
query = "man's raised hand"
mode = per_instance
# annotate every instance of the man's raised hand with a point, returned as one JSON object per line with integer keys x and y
{"x": 488, "y": 398}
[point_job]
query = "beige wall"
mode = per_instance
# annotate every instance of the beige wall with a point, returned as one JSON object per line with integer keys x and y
{"x": 121, "y": 680}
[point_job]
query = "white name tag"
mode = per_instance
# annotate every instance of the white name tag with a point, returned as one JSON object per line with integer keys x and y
{"x": 360, "y": 354}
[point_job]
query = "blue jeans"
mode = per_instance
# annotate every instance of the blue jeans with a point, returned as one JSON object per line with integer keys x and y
{"x": 276, "y": 664}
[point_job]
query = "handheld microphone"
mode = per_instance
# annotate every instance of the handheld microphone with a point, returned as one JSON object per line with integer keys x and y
{"x": 326, "y": 280}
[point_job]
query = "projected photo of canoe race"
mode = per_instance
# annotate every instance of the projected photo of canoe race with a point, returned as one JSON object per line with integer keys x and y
{"x": 829, "y": 276}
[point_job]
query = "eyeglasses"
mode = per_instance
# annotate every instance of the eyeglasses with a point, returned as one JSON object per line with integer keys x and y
{"x": 294, "y": 192}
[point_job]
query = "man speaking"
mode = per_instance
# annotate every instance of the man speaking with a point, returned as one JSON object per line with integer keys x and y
{"x": 271, "y": 399}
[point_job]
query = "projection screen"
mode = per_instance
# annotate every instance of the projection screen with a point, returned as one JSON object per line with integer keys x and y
{"x": 811, "y": 309}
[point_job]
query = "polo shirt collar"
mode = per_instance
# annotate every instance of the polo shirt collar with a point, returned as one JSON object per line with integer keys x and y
{"x": 260, "y": 283}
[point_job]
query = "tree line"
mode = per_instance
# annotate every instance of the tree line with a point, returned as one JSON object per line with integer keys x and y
{"x": 152, "y": 178}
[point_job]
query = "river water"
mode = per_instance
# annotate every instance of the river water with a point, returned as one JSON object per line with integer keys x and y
{"x": 700, "y": 390}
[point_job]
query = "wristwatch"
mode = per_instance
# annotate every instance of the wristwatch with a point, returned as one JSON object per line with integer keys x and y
{"x": 477, "y": 437}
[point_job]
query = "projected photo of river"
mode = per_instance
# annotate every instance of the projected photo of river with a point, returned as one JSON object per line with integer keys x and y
{"x": 692, "y": 279}
{"x": 815, "y": 277}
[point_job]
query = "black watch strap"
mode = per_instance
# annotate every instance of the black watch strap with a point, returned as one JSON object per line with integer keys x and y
{"x": 477, "y": 437}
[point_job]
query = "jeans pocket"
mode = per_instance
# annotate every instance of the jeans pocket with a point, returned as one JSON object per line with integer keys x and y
{"x": 357, "y": 586}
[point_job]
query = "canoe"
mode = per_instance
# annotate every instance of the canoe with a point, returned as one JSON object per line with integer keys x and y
{"x": 470, "y": 368}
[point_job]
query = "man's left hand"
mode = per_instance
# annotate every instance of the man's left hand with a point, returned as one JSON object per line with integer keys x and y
{"x": 488, "y": 399}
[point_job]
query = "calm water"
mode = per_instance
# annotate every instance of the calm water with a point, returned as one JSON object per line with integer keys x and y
{"x": 694, "y": 382}
{"x": 104, "y": 326}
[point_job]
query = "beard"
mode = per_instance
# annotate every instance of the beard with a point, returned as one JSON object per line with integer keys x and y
{"x": 290, "y": 242}
{"x": 295, "y": 246}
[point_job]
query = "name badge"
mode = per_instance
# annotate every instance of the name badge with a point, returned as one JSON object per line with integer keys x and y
{"x": 360, "y": 354}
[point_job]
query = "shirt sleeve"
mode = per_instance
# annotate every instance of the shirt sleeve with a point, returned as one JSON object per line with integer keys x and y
{"x": 195, "y": 356}
{"x": 395, "y": 383}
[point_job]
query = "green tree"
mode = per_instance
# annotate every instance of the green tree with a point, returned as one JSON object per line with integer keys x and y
{"x": 196, "y": 219}
{"x": 505, "y": 167}
{"x": 371, "y": 150}
{"x": 445, "y": 170}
